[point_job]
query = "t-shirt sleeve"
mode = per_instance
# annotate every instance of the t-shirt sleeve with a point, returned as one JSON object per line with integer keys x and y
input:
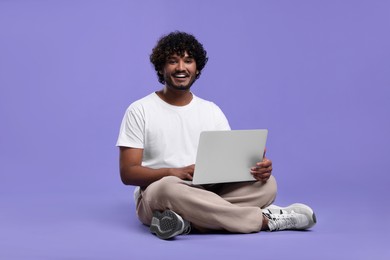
{"x": 220, "y": 119}
{"x": 131, "y": 133}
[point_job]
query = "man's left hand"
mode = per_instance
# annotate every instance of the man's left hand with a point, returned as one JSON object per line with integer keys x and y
{"x": 263, "y": 170}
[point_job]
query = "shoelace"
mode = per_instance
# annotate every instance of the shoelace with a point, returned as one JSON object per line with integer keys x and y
{"x": 283, "y": 220}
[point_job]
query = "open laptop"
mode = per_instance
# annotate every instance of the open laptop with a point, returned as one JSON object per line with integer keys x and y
{"x": 227, "y": 156}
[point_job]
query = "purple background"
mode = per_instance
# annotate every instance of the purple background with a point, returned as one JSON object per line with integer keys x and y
{"x": 315, "y": 73}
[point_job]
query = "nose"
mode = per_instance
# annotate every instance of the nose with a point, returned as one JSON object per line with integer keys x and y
{"x": 180, "y": 66}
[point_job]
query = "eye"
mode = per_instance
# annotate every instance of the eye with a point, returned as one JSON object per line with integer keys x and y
{"x": 172, "y": 61}
{"x": 189, "y": 61}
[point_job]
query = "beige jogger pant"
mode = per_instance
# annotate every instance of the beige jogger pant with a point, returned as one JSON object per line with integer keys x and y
{"x": 234, "y": 207}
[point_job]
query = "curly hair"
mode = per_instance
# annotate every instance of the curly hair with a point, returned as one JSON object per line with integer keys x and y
{"x": 177, "y": 43}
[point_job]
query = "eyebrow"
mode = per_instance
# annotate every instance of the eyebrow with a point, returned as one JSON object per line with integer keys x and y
{"x": 173, "y": 56}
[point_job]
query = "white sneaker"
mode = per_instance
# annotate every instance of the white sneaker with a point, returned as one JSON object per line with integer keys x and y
{"x": 169, "y": 224}
{"x": 294, "y": 217}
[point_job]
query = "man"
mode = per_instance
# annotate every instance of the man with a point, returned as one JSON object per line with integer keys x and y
{"x": 158, "y": 141}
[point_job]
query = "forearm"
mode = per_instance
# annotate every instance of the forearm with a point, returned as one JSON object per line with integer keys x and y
{"x": 142, "y": 176}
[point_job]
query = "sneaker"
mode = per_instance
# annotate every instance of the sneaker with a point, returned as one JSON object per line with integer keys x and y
{"x": 168, "y": 224}
{"x": 294, "y": 217}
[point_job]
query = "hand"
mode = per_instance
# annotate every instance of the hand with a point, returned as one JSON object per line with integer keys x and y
{"x": 263, "y": 170}
{"x": 184, "y": 173}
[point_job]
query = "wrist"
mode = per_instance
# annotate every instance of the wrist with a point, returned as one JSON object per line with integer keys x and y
{"x": 169, "y": 172}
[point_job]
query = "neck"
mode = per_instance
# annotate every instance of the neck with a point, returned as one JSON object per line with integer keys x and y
{"x": 175, "y": 97}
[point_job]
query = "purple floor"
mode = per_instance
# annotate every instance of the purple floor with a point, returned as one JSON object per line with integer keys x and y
{"x": 102, "y": 225}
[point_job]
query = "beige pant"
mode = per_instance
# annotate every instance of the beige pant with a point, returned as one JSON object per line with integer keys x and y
{"x": 234, "y": 207}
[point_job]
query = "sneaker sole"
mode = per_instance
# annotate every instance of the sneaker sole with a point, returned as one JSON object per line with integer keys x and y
{"x": 312, "y": 215}
{"x": 166, "y": 224}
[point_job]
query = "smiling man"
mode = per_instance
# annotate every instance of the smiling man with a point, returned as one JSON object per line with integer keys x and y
{"x": 158, "y": 141}
{"x": 180, "y": 71}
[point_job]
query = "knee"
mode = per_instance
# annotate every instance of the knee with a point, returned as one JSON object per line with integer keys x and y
{"x": 162, "y": 189}
{"x": 272, "y": 183}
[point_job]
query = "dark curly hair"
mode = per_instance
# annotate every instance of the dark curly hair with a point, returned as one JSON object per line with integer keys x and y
{"x": 177, "y": 43}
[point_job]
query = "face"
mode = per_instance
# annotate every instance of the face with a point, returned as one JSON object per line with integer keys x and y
{"x": 179, "y": 72}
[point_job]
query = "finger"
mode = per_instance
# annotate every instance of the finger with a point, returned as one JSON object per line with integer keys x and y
{"x": 261, "y": 169}
{"x": 264, "y": 176}
{"x": 191, "y": 168}
{"x": 263, "y": 179}
{"x": 265, "y": 163}
{"x": 261, "y": 176}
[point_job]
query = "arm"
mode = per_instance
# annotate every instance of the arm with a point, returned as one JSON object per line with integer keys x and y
{"x": 133, "y": 173}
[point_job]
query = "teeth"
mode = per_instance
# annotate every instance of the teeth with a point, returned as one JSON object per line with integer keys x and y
{"x": 180, "y": 75}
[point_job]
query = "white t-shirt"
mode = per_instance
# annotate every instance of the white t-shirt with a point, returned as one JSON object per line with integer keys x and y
{"x": 168, "y": 134}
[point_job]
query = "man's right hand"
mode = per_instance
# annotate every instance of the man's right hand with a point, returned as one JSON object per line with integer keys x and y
{"x": 184, "y": 173}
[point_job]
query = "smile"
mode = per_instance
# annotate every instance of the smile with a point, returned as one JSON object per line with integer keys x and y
{"x": 180, "y": 75}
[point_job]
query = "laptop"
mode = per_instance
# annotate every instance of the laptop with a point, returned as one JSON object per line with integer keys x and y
{"x": 227, "y": 156}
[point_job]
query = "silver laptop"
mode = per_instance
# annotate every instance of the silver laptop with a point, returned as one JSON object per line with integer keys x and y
{"x": 228, "y": 156}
